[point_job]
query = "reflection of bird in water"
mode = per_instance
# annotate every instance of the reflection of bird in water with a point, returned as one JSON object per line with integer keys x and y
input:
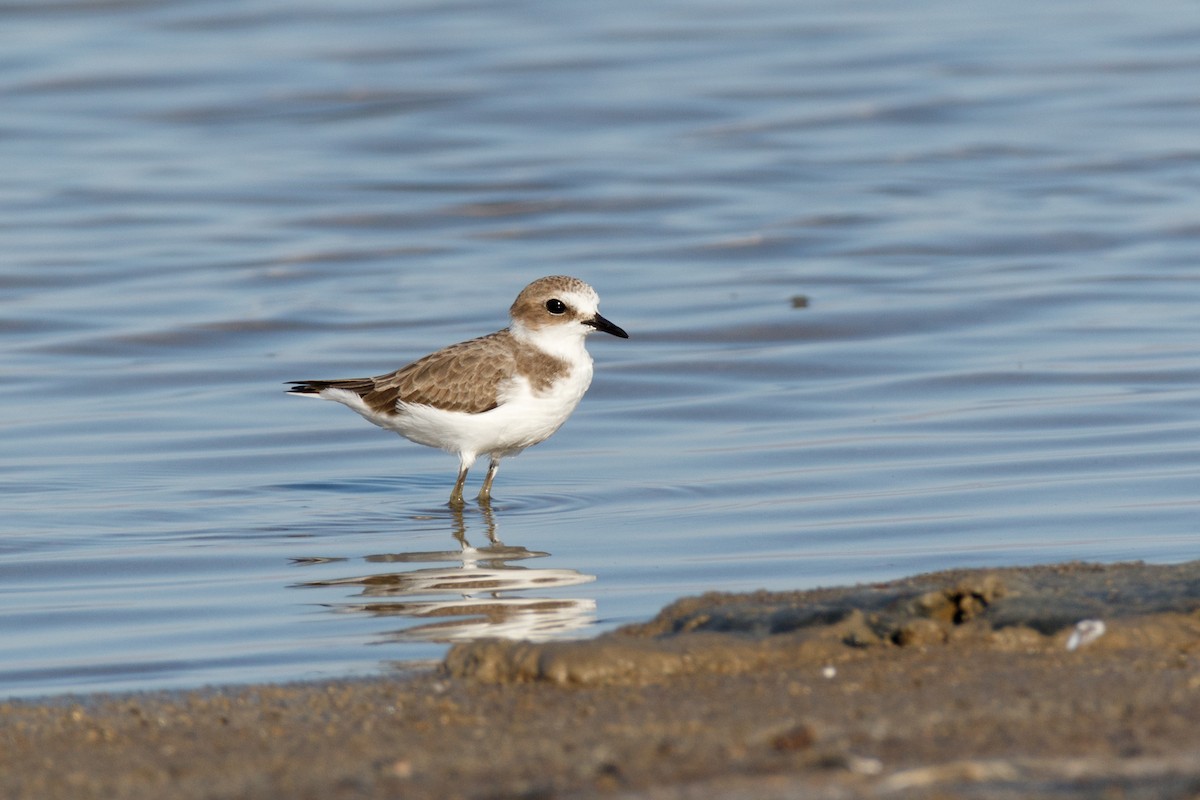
{"x": 472, "y": 595}
{"x": 495, "y": 395}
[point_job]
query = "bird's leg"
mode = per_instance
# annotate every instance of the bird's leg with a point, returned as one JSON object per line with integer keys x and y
{"x": 485, "y": 494}
{"x": 456, "y": 496}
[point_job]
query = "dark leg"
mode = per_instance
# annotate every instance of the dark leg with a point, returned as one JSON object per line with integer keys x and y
{"x": 456, "y": 497}
{"x": 485, "y": 494}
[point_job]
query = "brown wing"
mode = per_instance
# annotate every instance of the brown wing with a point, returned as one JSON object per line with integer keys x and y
{"x": 462, "y": 377}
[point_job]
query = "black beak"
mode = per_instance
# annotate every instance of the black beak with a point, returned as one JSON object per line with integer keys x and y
{"x": 601, "y": 324}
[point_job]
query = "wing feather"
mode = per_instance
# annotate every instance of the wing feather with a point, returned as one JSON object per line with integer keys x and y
{"x": 466, "y": 377}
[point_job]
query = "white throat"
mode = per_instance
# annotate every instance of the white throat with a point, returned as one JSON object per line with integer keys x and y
{"x": 561, "y": 341}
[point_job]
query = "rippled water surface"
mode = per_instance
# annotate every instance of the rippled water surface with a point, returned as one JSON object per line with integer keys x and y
{"x": 908, "y": 287}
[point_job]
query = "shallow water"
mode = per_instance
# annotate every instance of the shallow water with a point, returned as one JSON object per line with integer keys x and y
{"x": 908, "y": 288}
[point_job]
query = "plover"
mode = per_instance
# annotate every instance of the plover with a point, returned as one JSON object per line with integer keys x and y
{"x": 495, "y": 395}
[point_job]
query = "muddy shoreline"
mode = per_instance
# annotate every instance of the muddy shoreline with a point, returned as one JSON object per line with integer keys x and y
{"x": 954, "y": 684}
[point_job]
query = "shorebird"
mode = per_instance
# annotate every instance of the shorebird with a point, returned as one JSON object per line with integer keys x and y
{"x": 495, "y": 395}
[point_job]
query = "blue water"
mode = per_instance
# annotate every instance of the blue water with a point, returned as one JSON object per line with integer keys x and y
{"x": 909, "y": 287}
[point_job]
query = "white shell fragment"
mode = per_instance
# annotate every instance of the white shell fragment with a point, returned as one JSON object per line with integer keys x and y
{"x": 1086, "y": 631}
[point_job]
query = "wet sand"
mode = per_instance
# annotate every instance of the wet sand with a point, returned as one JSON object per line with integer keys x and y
{"x": 955, "y": 684}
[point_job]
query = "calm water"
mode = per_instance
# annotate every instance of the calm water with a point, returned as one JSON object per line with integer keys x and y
{"x": 910, "y": 286}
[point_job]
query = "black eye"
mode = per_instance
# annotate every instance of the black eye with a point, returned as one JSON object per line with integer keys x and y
{"x": 556, "y": 306}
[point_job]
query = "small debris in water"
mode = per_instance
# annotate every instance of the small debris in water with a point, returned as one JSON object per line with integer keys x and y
{"x": 799, "y": 301}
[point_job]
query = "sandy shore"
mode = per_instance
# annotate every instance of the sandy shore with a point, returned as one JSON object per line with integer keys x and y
{"x": 957, "y": 684}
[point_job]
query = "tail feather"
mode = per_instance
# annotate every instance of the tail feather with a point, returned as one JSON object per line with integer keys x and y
{"x": 314, "y": 388}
